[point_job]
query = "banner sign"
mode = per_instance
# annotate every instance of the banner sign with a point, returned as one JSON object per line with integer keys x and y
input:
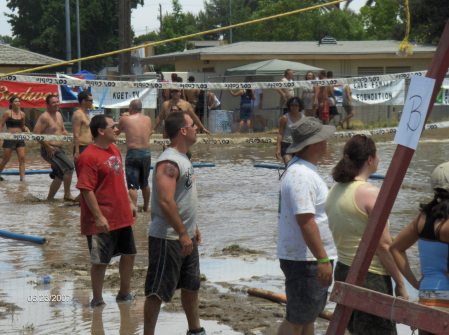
{"x": 31, "y": 95}
{"x": 443, "y": 96}
{"x": 208, "y": 86}
{"x": 389, "y": 92}
{"x": 111, "y": 96}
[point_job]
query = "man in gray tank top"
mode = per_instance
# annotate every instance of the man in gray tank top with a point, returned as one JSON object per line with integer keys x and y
{"x": 173, "y": 234}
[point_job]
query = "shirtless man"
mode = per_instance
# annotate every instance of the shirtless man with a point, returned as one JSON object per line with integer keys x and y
{"x": 192, "y": 94}
{"x": 286, "y": 93}
{"x": 177, "y": 104}
{"x": 137, "y": 129}
{"x": 51, "y": 123}
{"x": 80, "y": 124}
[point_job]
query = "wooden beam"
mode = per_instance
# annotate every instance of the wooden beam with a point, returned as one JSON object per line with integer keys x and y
{"x": 391, "y": 308}
{"x": 387, "y": 194}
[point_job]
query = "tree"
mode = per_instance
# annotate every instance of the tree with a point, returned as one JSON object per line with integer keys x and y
{"x": 428, "y": 19}
{"x": 305, "y": 26}
{"x": 40, "y": 27}
{"x": 381, "y": 20}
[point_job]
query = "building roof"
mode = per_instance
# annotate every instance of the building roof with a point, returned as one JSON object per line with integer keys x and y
{"x": 19, "y": 57}
{"x": 298, "y": 48}
{"x": 270, "y": 67}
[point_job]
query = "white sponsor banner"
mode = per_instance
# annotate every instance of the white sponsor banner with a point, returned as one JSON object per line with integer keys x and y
{"x": 389, "y": 92}
{"x": 120, "y": 97}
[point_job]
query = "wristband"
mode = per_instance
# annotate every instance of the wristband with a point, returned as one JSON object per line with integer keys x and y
{"x": 323, "y": 260}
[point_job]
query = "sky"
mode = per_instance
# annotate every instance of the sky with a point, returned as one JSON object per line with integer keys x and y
{"x": 144, "y": 19}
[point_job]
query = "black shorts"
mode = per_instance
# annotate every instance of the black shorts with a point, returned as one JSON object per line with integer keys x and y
{"x": 306, "y": 297}
{"x": 60, "y": 163}
{"x": 169, "y": 270}
{"x": 333, "y": 110}
{"x": 363, "y": 323}
{"x": 12, "y": 144}
{"x": 104, "y": 246}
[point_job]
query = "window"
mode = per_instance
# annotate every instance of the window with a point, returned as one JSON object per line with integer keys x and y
{"x": 370, "y": 71}
{"x": 397, "y": 69}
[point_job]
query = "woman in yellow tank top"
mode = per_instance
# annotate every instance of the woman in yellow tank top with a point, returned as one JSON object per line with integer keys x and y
{"x": 348, "y": 205}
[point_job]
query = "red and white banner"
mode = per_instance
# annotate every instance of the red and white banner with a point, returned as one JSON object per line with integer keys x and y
{"x": 31, "y": 95}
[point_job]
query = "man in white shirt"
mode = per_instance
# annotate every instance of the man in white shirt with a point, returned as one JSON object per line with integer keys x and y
{"x": 305, "y": 246}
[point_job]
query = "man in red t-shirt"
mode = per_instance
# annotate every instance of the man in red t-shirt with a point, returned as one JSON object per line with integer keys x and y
{"x": 106, "y": 210}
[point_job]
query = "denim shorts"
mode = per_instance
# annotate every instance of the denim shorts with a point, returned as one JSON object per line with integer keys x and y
{"x": 363, "y": 323}
{"x": 104, "y": 246}
{"x": 306, "y": 297}
{"x": 169, "y": 270}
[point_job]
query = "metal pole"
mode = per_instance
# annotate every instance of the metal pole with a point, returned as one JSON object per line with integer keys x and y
{"x": 230, "y": 20}
{"x": 78, "y": 35}
{"x": 68, "y": 40}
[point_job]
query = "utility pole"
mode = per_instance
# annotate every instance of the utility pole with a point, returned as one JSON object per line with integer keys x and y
{"x": 160, "y": 18}
{"x": 78, "y": 35}
{"x": 230, "y": 20}
{"x": 68, "y": 40}
{"x": 124, "y": 22}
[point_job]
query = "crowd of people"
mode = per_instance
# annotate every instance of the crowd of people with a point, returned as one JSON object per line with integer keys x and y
{"x": 318, "y": 230}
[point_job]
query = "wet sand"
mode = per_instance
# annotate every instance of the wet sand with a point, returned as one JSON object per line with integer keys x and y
{"x": 238, "y": 218}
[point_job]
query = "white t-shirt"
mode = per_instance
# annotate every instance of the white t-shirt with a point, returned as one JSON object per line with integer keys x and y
{"x": 303, "y": 191}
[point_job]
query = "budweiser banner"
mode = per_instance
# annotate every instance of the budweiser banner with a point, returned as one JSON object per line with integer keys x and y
{"x": 31, "y": 95}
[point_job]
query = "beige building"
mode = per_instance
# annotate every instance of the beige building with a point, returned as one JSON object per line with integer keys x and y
{"x": 344, "y": 58}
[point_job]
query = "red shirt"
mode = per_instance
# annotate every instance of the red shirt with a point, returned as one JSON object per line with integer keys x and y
{"x": 101, "y": 171}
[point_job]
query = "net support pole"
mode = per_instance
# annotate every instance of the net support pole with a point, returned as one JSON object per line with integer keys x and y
{"x": 387, "y": 195}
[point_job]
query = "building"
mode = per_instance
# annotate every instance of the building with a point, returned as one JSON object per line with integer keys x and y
{"x": 343, "y": 58}
{"x": 14, "y": 59}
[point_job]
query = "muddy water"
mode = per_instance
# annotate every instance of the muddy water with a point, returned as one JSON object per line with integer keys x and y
{"x": 238, "y": 206}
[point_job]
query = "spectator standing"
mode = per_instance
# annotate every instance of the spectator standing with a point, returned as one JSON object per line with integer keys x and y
{"x": 173, "y": 233}
{"x": 348, "y": 206}
{"x": 106, "y": 209}
{"x": 305, "y": 247}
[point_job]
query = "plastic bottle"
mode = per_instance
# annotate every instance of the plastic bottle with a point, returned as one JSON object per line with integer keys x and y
{"x": 45, "y": 280}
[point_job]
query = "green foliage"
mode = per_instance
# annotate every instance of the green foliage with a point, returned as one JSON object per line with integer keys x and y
{"x": 306, "y": 26}
{"x": 381, "y": 20}
{"x": 40, "y": 27}
{"x": 428, "y": 19}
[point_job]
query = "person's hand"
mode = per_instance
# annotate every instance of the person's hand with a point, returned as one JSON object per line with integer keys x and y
{"x": 325, "y": 273}
{"x": 186, "y": 244}
{"x": 102, "y": 224}
{"x": 198, "y": 237}
{"x": 76, "y": 156}
{"x": 401, "y": 292}
{"x": 278, "y": 154}
{"x": 50, "y": 151}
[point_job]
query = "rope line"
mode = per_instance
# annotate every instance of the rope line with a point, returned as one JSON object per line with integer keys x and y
{"x": 73, "y": 81}
{"x": 217, "y": 140}
{"x": 176, "y": 39}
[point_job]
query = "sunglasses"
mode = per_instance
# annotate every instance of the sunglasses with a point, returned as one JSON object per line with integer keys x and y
{"x": 193, "y": 125}
{"x": 114, "y": 126}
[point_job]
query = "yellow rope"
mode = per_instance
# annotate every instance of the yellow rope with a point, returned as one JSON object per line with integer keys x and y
{"x": 405, "y": 48}
{"x": 175, "y": 39}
